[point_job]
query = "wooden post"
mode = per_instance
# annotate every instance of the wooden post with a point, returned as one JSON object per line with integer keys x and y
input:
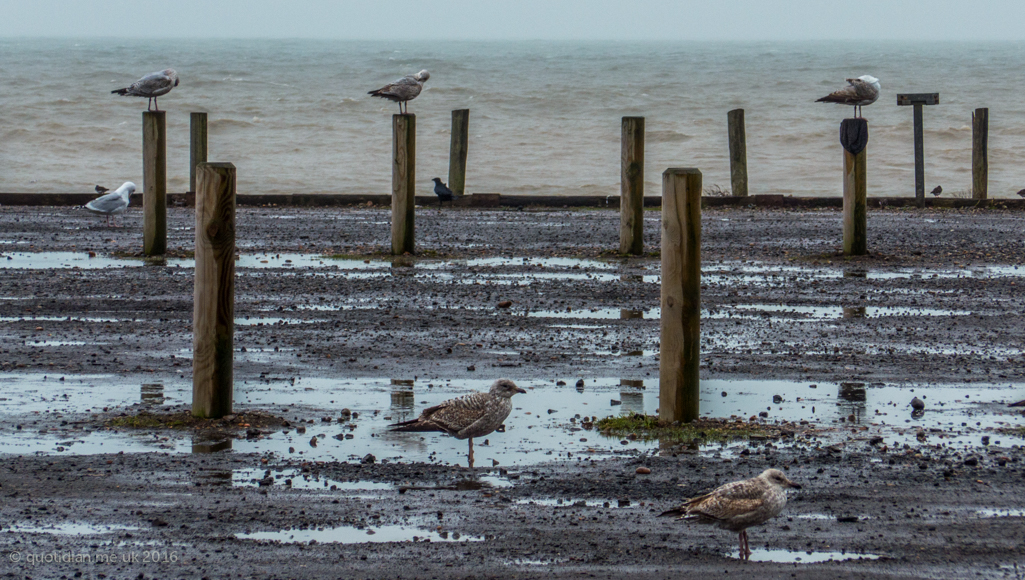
{"x": 855, "y": 193}
{"x": 154, "y": 183}
{"x": 403, "y": 183}
{"x": 680, "y": 343}
{"x": 197, "y": 148}
{"x": 980, "y": 155}
{"x": 738, "y": 152}
{"x": 919, "y": 156}
{"x": 631, "y": 188}
{"x": 457, "y": 151}
{"x": 213, "y": 315}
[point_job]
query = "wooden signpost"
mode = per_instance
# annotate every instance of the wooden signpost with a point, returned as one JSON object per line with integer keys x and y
{"x": 917, "y": 100}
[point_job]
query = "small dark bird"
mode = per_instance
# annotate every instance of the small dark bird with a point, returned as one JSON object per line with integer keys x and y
{"x": 1022, "y": 193}
{"x": 937, "y": 191}
{"x": 469, "y": 416}
{"x": 101, "y": 190}
{"x": 442, "y": 191}
{"x": 917, "y": 404}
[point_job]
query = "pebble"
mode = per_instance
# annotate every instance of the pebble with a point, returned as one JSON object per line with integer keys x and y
{"x": 643, "y": 471}
{"x": 505, "y": 304}
{"x": 917, "y": 404}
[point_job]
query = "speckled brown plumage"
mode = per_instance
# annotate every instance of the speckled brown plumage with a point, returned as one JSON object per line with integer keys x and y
{"x": 469, "y": 416}
{"x": 739, "y": 505}
{"x": 403, "y": 90}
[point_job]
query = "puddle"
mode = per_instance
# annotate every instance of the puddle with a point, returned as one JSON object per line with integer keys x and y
{"x": 598, "y": 313}
{"x": 48, "y": 393}
{"x": 838, "y": 312}
{"x": 68, "y": 529}
{"x": 295, "y": 479}
{"x": 152, "y": 394}
{"x": 788, "y": 557}
{"x": 271, "y": 321}
{"x": 577, "y": 503}
{"x": 1001, "y": 513}
{"x": 353, "y": 535}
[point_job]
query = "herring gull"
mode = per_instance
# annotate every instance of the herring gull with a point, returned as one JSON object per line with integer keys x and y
{"x": 469, "y": 416}
{"x": 151, "y": 86}
{"x": 112, "y": 203}
{"x": 739, "y": 505}
{"x": 403, "y": 90}
{"x": 861, "y": 91}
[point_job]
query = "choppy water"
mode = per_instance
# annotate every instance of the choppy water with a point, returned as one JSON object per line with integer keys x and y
{"x": 545, "y": 116}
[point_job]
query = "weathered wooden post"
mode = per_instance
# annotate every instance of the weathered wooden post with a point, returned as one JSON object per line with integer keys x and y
{"x": 854, "y": 138}
{"x": 680, "y": 342}
{"x": 980, "y": 154}
{"x": 403, "y": 183}
{"x": 738, "y": 152}
{"x": 631, "y": 188}
{"x": 197, "y": 146}
{"x": 457, "y": 151}
{"x": 917, "y": 100}
{"x": 154, "y": 183}
{"x": 213, "y": 315}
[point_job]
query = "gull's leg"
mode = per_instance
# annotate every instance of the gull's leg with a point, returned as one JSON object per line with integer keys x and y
{"x": 471, "y": 453}
{"x": 156, "y": 103}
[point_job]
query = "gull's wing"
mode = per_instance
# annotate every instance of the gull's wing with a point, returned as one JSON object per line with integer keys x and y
{"x": 152, "y": 85}
{"x": 109, "y": 203}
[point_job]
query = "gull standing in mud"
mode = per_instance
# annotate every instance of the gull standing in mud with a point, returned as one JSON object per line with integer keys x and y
{"x": 861, "y": 91}
{"x": 112, "y": 203}
{"x": 469, "y": 416}
{"x": 403, "y": 90}
{"x": 739, "y": 505}
{"x": 151, "y": 86}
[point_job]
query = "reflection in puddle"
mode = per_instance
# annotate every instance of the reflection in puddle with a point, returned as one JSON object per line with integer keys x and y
{"x": 211, "y": 446}
{"x": 68, "y": 529}
{"x": 256, "y": 477}
{"x": 788, "y": 557}
{"x": 152, "y": 394}
{"x": 577, "y": 503}
{"x": 353, "y": 535}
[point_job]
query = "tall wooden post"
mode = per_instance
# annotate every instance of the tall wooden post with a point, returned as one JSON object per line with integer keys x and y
{"x": 980, "y": 154}
{"x": 680, "y": 342}
{"x": 213, "y": 315}
{"x": 854, "y": 137}
{"x": 631, "y": 188}
{"x": 457, "y": 151}
{"x": 738, "y": 152}
{"x": 403, "y": 183}
{"x": 197, "y": 146}
{"x": 919, "y": 156}
{"x": 154, "y": 183}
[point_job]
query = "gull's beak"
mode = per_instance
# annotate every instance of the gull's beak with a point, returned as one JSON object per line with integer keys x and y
{"x": 519, "y": 390}
{"x": 794, "y": 485}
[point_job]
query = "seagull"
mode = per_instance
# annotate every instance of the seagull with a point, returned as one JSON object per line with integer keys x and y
{"x": 469, "y": 416}
{"x": 739, "y": 505}
{"x": 112, "y": 203}
{"x": 151, "y": 86}
{"x": 937, "y": 191}
{"x": 861, "y": 91}
{"x": 101, "y": 190}
{"x": 442, "y": 191}
{"x": 1021, "y": 193}
{"x": 403, "y": 90}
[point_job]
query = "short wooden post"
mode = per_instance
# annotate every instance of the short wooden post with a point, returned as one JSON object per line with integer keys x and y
{"x": 213, "y": 315}
{"x": 680, "y": 342}
{"x": 154, "y": 183}
{"x": 738, "y": 152}
{"x": 919, "y": 156}
{"x": 631, "y": 188}
{"x": 854, "y": 137}
{"x": 457, "y": 151}
{"x": 403, "y": 183}
{"x": 980, "y": 154}
{"x": 197, "y": 146}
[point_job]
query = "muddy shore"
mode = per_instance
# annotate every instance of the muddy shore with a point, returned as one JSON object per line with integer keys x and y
{"x": 936, "y": 308}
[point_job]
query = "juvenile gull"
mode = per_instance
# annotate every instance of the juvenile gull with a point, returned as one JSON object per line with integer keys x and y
{"x": 861, "y": 91}
{"x": 112, "y": 203}
{"x": 151, "y": 86}
{"x": 403, "y": 90}
{"x": 739, "y": 505}
{"x": 469, "y": 416}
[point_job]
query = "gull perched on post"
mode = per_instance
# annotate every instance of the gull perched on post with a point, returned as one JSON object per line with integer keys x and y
{"x": 469, "y": 416}
{"x": 112, "y": 203}
{"x": 403, "y": 90}
{"x": 151, "y": 86}
{"x": 739, "y": 505}
{"x": 861, "y": 91}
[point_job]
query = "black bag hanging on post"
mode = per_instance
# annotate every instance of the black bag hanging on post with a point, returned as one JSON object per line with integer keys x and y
{"x": 854, "y": 135}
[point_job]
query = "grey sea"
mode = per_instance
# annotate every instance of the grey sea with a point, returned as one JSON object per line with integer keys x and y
{"x": 294, "y": 116}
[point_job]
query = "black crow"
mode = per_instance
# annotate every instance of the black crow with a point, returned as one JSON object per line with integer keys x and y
{"x": 442, "y": 191}
{"x": 937, "y": 191}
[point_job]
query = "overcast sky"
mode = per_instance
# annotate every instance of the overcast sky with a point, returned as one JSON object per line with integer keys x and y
{"x": 978, "y": 20}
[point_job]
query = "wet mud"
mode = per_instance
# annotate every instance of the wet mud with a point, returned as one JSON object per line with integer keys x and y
{"x": 334, "y": 340}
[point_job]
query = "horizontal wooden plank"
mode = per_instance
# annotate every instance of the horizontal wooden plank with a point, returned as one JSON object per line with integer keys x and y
{"x": 905, "y": 99}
